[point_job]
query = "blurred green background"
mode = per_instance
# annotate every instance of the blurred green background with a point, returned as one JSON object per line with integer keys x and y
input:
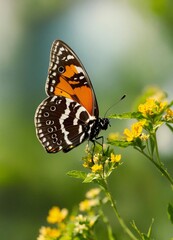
{"x": 125, "y": 46}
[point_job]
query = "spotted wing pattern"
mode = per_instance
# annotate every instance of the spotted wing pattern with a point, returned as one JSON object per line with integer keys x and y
{"x": 61, "y": 123}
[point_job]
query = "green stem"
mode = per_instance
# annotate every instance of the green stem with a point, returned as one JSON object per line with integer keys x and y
{"x": 113, "y": 204}
{"x": 160, "y": 167}
{"x": 157, "y": 150}
{"x": 148, "y": 148}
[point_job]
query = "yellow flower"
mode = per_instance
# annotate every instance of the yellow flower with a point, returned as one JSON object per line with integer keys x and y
{"x": 47, "y": 232}
{"x": 115, "y": 158}
{"x": 151, "y": 107}
{"x": 56, "y": 215}
{"x": 85, "y": 164}
{"x": 169, "y": 115}
{"x": 84, "y": 205}
{"x": 87, "y": 204}
{"x": 135, "y": 132}
{"x": 94, "y": 192}
{"x": 87, "y": 161}
{"x": 96, "y": 158}
{"x": 54, "y": 233}
{"x": 163, "y": 105}
{"x": 147, "y": 107}
{"x": 96, "y": 168}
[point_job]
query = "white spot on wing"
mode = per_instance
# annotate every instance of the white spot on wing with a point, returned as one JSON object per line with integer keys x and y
{"x": 61, "y": 50}
{"x": 51, "y": 89}
{"x": 47, "y": 144}
{"x": 60, "y": 147}
{"x": 54, "y": 74}
{"x": 70, "y": 57}
{"x": 54, "y": 67}
{"x": 79, "y": 69}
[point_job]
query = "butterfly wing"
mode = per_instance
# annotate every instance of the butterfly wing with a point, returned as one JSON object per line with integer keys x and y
{"x": 61, "y": 124}
{"x": 67, "y": 77}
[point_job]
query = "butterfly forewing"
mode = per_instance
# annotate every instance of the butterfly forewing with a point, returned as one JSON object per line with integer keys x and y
{"x": 61, "y": 123}
{"x": 67, "y": 77}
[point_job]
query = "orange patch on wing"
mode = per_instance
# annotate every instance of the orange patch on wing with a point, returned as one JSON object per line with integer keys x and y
{"x": 85, "y": 96}
{"x": 64, "y": 89}
{"x": 69, "y": 71}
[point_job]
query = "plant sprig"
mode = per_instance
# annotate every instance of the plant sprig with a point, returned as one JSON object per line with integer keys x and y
{"x": 100, "y": 163}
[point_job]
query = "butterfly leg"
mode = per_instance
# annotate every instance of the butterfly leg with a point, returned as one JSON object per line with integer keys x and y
{"x": 102, "y": 140}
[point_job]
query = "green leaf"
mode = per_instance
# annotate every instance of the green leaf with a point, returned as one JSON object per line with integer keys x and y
{"x": 77, "y": 174}
{"x": 129, "y": 115}
{"x": 170, "y": 212}
{"x": 120, "y": 143}
{"x": 90, "y": 177}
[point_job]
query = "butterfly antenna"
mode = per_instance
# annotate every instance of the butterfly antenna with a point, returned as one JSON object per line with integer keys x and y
{"x": 114, "y": 104}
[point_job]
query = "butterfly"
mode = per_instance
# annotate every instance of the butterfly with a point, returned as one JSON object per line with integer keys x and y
{"x": 70, "y": 113}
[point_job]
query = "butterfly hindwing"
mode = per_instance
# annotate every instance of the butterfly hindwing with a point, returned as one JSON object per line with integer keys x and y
{"x": 67, "y": 77}
{"x": 61, "y": 123}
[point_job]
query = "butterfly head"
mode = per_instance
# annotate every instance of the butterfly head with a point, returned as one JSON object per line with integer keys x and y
{"x": 103, "y": 123}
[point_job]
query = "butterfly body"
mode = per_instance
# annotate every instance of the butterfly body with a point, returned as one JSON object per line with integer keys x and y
{"x": 70, "y": 114}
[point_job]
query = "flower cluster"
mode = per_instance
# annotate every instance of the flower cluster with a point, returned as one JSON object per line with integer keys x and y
{"x": 153, "y": 110}
{"x": 136, "y": 131}
{"x": 150, "y": 116}
{"x": 79, "y": 225}
{"x": 152, "y": 107}
{"x": 92, "y": 200}
{"x": 57, "y": 218}
{"x": 101, "y": 162}
{"x": 83, "y": 226}
{"x": 85, "y": 221}
{"x": 47, "y": 233}
{"x": 56, "y": 215}
{"x": 168, "y": 117}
